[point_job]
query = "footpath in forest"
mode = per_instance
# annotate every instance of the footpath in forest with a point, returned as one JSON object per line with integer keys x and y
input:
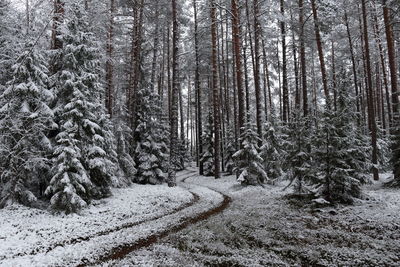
{"x": 206, "y": 222}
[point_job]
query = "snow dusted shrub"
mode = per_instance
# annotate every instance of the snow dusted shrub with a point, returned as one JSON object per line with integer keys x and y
{"x": 151, "y": 149}
{"x": 248, "y": 162}
{"x": 25, "y": 117}
{"x": 84, "y": 151}
{"x": 272, "y": 153}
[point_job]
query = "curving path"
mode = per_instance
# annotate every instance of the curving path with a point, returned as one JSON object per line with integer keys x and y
{"x": 120, "y": 252}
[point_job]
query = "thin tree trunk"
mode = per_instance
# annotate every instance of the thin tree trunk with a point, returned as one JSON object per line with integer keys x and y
{"x": 303, "y": 66}
{"x": 285, "y": 89}
{"x": 320, "y": 53}
{"x": 155, "y": 50}
{"x": 371, "y": 108}
{"x": 383, "y": 67}
{"x": 353, "y": 63}
{"x": 109, "y": 62}
{"x": 174, "y": 99}
{"x": 257, "y": 86}
{"x": 215, "y": 90}
{"x": 198, "y": 92}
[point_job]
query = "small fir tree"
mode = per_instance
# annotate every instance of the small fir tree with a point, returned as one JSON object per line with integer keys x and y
{"x": 272, "y": 152}
{"x": 25, "y": 119}
{"x": 248, "y": 162}
{"x": 230, "y": 150}
{"x": 151, "y": 150}
{"x": 208, "y": 148}
{"x": 341, "y": 158}
{"x": 300, "y": 172}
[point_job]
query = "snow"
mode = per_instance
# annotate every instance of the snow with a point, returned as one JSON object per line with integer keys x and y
{"x": 261, "y": 227}
{"x": 25, "y": 231}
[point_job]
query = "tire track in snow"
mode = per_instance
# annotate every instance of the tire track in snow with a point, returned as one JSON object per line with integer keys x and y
{"x": 187, "y": 174}
{"x": 120, "y": 252}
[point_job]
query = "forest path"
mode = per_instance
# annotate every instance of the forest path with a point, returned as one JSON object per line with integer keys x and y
{"x": 119, "y": 252}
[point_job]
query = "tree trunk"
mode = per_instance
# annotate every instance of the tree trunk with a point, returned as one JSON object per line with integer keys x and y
{"x": 109, "y": 63}
{"x": 371, "y": 108}
{"x": 320, "y": 53}
{"x": 395, "y": 93}
{"x": 257, "y": 86}
{"x": 174, "y": 99}
{"x": 198, "y": 91}
{"x": 303, "y": 66}
{"x": 285, "y": 89}
{"x": 353, "y": 63}
{"x": 215, "y": 90}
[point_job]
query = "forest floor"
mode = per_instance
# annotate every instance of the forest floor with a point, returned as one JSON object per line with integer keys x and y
{"x": 206, "y": 222}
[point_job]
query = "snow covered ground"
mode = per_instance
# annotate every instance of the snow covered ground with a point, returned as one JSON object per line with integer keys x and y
{"x": 262, "y": 227}
{"x": 34, "y": 236}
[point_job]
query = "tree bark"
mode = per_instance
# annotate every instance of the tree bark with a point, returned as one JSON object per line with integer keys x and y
{"x": 320, "y": 53}
{"x": 257, "y": 85}
{"x": 174, "y": 99}
{"x": 109, "y": 62}
{"x": 236, "y": 34}
{"x": 198, "y": 91}
{"x": 215, "y": 90}
{"x": 393, "y": 82}
{"x": 303, "y": 65}
{"x": 371, "y": 108}
{"x": 285, "y": 89}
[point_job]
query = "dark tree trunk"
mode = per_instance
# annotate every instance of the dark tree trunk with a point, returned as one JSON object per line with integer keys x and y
{"x": 109, "y": 63}
{"x": 215, "y": 90}
{"x": 320, "y": 53}
{"x": 174, "y": 99}
{"x": 198, "y": 92}
{"x": 371, "y": 108}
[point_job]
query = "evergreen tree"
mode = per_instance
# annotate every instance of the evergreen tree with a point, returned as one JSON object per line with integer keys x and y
{"x": 208, "y": 147}
{"x": 230, "y": 150}
{"x": 272, "y": 152}
{"x": 151, "y": 150}
{"x": 342, "y": 156}
{"x": 300, "y": 171}
{"x": 248, "y": 162}
{"x": 25, "y": 119}
{"x": 84, "y": 168}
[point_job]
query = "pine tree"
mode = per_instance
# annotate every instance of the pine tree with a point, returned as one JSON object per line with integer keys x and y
{"x": 207, "y": 158}
{"x": 25, "y": 119}
{"x": 300, "y": 161}
{"x": 230, "y": 150}
{"x": 342, "y": 156}
{"x": 272, "y": 152}
{"x": 151, "y": 149}
{"x": 248, "y": 162}
{"x": 84, "y": 151}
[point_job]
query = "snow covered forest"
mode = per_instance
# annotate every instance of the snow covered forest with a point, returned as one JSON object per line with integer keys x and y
{"x": 199, "y": 133}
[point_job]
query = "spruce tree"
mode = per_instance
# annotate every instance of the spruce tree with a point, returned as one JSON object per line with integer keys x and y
{"x": 151, "y": 150}
{"x": 300, "y": 170}
{"x": 84, "y": 151}
{"x": 248, "y": 161}
{"x": 272, "y": 152}
{"x": 342, "y": 157}
{"x": 207, "y": 158}
{"x": 230, "y": 150}
{"x": 25, "y": 119}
